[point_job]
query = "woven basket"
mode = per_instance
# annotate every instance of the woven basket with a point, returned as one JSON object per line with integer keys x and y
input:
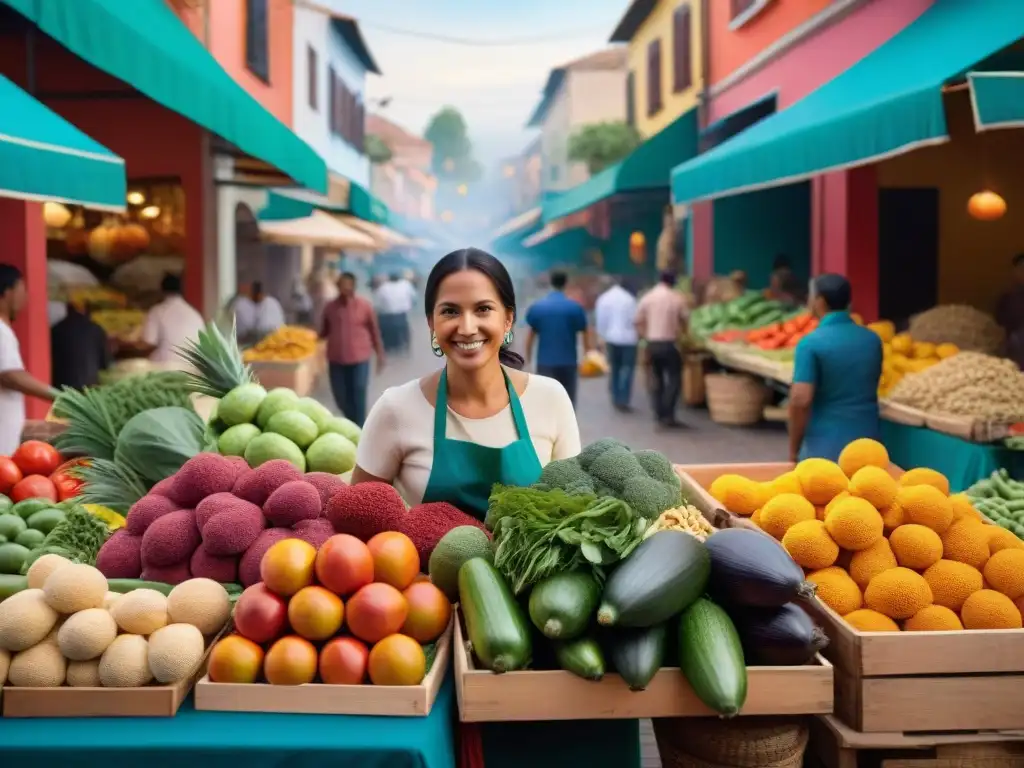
{"x": 735, "y": 399}
{"x": 694, "y": 392}
{"x": 748, "y": 742}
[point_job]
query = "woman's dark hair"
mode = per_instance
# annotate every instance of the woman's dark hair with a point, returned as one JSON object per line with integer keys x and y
{"x": 494, "y": 270}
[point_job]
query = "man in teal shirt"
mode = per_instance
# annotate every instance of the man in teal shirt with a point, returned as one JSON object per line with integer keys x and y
{"x": 834, "y": 396}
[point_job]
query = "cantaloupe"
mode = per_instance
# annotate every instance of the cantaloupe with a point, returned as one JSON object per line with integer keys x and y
{"x": 42, "y": 568}
{"x": 83, "y": 674}
{"x": 5, "y": 664}
{"x": 174, "y": 652}
{"x": 141, "y": 611}
{"x": 86, "y": 634}
{"x": 125, "y": 663}
{"x": 110, "y": 599}
{"x": 41, "y": 666}
{"x": 203, "y": 603}
{"x": 75, "y": 587}
{"x": 25, "y": 619}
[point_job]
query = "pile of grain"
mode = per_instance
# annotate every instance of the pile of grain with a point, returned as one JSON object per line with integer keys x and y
{"x": 969, "y": 384}
{"x": 969, "y": 328}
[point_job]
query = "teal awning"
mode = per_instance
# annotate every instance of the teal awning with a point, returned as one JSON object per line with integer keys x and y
{"x": 649, "y": 166}
{"x": 285, "y": 204}
{"x": 363, "y": 204}
{"x": 997, "y": 99}
{"x": 143, "y": 43}
{"x": 44, "y": 157}
{"x": 887, "y": 103}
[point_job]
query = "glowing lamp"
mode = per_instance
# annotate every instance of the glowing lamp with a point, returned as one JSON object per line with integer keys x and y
{"x": 637, "y": 248}
{"x": 56, "y": 215}
{"x": 986, "y": 206}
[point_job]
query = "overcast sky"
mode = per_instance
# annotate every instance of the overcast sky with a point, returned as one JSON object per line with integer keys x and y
{"x": 495, "y": 87}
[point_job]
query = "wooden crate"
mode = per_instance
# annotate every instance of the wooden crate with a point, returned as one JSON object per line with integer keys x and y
{"x": 556, "y": 695}
{"x": 925, "y": 681}
{"x": 901, "y": 414}
{"x": 957, "y": 426}
{"x": 836, "y": 745}
{"x": 321, "y": 699}
{"x": 299, "y": 375}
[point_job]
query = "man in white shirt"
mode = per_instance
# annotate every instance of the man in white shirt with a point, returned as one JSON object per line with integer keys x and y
{"x": 258, "y": 316}
{"x": 615, "y": 322}
{"x": 394, "y": 300}
{"x": 170, "y": 324}
{"x": 15, "y": 381}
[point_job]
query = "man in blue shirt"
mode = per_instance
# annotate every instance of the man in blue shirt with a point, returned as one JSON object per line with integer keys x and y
{"x": 554, "y": 323}
{"x": 834, "y": 397}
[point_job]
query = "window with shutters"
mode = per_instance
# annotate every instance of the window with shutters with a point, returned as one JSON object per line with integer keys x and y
{"x": 312, "y": 66}
{"x": 654, "y": 103}
{"x": 631, "y": 98}
{"x": 743, "y": 11}
{"x": 332, "y": 100}
{"x": 257, "y": 39}
{"x": 682, "y": 72}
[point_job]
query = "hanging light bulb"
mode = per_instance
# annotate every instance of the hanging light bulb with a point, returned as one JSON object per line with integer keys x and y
{"x": 638, "y": 248}
{"x": 986, "y": 206}
{"x": 149, "y": 212}
{"x": 56, "y": 215}
{"x": 136, "y": 198}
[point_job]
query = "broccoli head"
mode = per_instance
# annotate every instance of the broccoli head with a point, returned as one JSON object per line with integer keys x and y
{"x": 565, "y": 474}
{"x": 614, "y": 467}
{"x": 591, "y": 452}
{"x": 648, "y": 497}
{"x": 658, "y": 466}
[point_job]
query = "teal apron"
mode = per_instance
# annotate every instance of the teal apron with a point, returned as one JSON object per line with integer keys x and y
{"x": 462, "y": 474}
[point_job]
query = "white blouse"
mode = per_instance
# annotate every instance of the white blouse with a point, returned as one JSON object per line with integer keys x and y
{"x": 397, "y": 443}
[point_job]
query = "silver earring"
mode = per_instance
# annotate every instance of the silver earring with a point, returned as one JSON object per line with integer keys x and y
{"x": 509, "y": 336}
{"x": 435, "y": 347}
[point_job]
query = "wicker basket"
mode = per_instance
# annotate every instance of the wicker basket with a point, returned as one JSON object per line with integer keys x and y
{"x": 747, "y": 742}
{"x": 735, "y": 398}
{"x": 694, "y": 365}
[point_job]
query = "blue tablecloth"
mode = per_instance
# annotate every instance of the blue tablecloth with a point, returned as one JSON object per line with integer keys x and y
{"x": 962, "y": 461}
{"x": 250, "y": 740}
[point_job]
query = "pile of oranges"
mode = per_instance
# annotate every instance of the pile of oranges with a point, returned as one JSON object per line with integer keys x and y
{"x": 346, "y": 614}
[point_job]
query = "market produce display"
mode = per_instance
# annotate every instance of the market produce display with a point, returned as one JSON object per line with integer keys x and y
{"x": 969, "y": 384}
{"x": 37, "y": 470}
{"x": 344, "y": 613}
{"x": 749, "y": 311}
{"x": 69, "y": 628}
{"x": 887, "y": 554}
{"x": 965, "y": 327}
{"x": 1000, "y": 500}
{"x": 709, "y": 608}
{"x": 285, "y": 345}
{"x": 120, "y": 324}
{"x": 685, "y": 518}
{"x": 903, "y": 356}
{"x": 36, "y": 527}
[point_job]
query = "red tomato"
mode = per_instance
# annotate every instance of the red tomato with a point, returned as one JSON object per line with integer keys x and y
{"x": 9, "y": 474}
{"x": 34, "y": 487}
{"x": 34, "y": 457}
{"x": 67, "y": 486}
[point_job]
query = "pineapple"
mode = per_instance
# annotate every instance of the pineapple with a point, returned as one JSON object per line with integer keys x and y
{"x": 216, "y": 361}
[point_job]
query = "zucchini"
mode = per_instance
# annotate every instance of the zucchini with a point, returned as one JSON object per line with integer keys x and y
{"x": 750, "y": 568}
{"x": 778, "y": 637}
{"x": 498, "y": 632}
{"x": 662, "y": 576}
{"x": 711, "y": 657}
{"x": 11, "y": 584}
{"x": 637, "y": 654}
{"x": 582, "y": 657}
{"x": 562, "y": 606}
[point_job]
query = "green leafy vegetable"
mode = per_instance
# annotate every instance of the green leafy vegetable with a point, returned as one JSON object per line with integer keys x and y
{"x": 538, "y": 533}
{"x": 109, "y": 484}
{"x": 78, "y": 537}
{"x": 155, "y": 443}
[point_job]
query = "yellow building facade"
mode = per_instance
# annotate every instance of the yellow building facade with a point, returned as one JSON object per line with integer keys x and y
{"x": 665, "y": 60}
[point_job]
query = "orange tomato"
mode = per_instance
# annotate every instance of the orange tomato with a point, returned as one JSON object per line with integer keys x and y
{"x": 235, "y": 659}
{"x": 376, "y": 611}
{"x": 315, "y": 613}
{"x": 290, "y": 661}
{"x": 397, "y": 660}
{"x": 287, "y": 566}
{"x": 343, "y": 661}
{"x": 395, "y": 559}
{"x": 344, "y": 564}
{"x": 429, "y": 612}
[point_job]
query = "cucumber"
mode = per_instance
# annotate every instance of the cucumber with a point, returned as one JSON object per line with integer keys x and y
{"x": 29, "y": 507}
{"x": 637, "y": 654}
{"x": 498, "y": 631}
{"x": 662, "y": 576}
{"x": 6, "y": 505}
{"x": 12, "y": 557}
{"x": 11, "y": 584}
{"x": 562, "y": 606}
{"x": 711, "y": 657}
{"x": 123, "y": 586}
{"x": 46, "y": 520}
{"x": 582, "y": 657}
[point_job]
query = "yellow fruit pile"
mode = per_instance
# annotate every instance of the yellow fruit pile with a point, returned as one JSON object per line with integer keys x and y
{"x": 902, "y": 355}
{"x": 887, "y": 553}
{"x": 120, "y": 323}
{"x": 287, "y": 344}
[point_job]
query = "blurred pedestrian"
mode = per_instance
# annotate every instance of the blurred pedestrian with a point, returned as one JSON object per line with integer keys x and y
{"x": 555, "y": 322}
{"x": 353, "y": 337}
{"x": 660, "y": 320}
{"x": 394, "y": 300}
{"x": 615, "y": 322}
{"x": 169, "y": 325}
{"x": 79, "y": 349}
